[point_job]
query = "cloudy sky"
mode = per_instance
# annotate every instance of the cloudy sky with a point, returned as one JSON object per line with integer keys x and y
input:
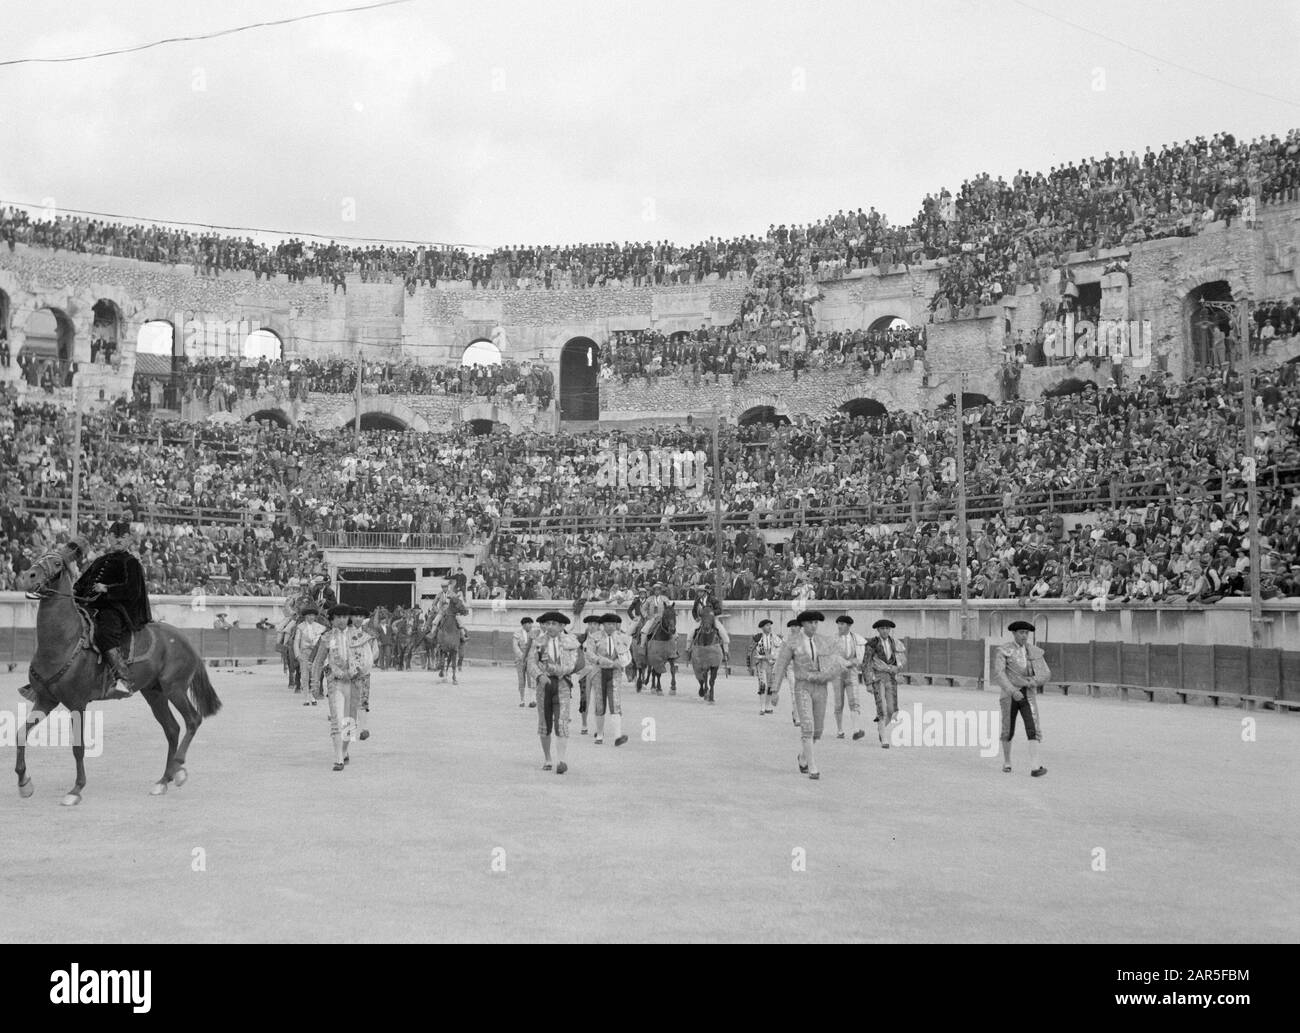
{"x": 495, "y": 123}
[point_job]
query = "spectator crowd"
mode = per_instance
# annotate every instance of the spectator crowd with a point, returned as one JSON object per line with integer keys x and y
{"x": 991, "y": 233}
{"x": 837, "y": 507}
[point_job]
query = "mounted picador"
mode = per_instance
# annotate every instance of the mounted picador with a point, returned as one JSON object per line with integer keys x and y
{"x": 113, "y": 590}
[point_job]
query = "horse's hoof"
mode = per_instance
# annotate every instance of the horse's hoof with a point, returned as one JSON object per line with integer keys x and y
{"x": 180, "y": 777}
{"x": 25, "y": 789}
{"x": 158, "y": 789}
{"x": 72, "y": 799}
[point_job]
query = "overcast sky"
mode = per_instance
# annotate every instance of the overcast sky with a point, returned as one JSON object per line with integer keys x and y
{"x": 497, "y": 123}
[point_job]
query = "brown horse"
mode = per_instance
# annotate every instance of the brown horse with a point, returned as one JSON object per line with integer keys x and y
{"x": 165, "y": 668}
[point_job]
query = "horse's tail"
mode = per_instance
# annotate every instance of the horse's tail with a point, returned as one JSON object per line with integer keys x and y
{"x": 202, "y": 693}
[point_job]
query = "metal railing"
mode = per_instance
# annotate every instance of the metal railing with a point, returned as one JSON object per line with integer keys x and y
{"x": 390, "y": 540}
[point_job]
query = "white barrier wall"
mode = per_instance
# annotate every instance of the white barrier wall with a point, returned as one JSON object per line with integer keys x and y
{"x": 1226, "y": 623}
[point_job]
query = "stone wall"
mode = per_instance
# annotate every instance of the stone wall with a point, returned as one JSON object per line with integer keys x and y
{"x": 435, "y": 325}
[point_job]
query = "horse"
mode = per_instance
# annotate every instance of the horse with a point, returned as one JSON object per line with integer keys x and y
{"x": 707, "y": 652}
{"x": 660, "y": 651}
{"x": 447, "y": 637}
{"x": 167, "y": 669}
{"x": 405, "y": 633}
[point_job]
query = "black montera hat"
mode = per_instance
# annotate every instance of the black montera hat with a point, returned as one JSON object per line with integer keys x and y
{"x": 552, "y": 616}
{"x": 764, "y": 623}
{"x": 811, "y": 615}
{"x": 883, "y": 623}
{"x": 1020, "y": 626}
{"x": 119, "y": 528}
{"x": 611, "y": 618}
{"x": 340, "y": 610}
{"x": 844, "y": 618}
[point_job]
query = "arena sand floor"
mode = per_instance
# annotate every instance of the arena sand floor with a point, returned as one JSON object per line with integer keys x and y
{"x": 695, "y": 835}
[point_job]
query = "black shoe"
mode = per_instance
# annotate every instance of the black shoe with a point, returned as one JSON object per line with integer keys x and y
{"x": 546, "y": 766}
{"x": 533, "y": 703}
{"x": 561, "y": 768}
{"x": 839, "y": 735}
{"x": 347, "y": 760}
{"x": 814, "y": 775}
{"x": 338, "y": 767}
{"x": 1006, "y": 769}
{"x": 884, "y": 745}
{"x": 365, "y": 734}
{"x": 803, "y": 768}
{"x": 1038, "y": 772}
{"x": 620, "y": 740}
{"x": 859, "y": 734}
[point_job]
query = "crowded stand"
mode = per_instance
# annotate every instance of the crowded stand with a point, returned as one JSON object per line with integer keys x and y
{"x": 826, "y": 508}
{"x": 223, "y": 383}
{"x": 991, "y": 233}
{"x": 737, "y": 351}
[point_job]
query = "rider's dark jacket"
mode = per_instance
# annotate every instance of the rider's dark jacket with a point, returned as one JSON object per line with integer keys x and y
{"x": 127, "y": 598}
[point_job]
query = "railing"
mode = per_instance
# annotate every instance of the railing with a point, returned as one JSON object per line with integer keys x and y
{"x": 390, "y": 540}
{"x": 1027, "y": 503}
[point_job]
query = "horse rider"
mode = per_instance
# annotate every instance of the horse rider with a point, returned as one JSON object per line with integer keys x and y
{"x": 705, "y": 598}
{"x": 653, "y": 611}
{"x": 113, "y": 590}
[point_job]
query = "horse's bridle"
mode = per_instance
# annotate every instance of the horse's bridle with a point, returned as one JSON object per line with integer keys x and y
{"x": 52, "y": 564}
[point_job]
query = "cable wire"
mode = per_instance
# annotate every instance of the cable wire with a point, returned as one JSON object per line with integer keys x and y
{"x": 201, "y": 36}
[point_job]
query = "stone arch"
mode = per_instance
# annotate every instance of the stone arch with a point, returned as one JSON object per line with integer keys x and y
{"x": 857, "y": 394}
{"x": 762, "y": 414}
{"x": 277, "y": 416}
{"x": 867, "y": 408}
{"x": 263, "y": 343}
{"x": 1200, "y": 322}
{"x": 107, "y": 330}
{"x": 481, "y": 352}
{"x": 382, "y": 409}
{"x": 580, "y": 379}
{"x": 886, "y": 322}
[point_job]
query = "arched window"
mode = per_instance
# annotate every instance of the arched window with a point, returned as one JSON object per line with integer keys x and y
{"x": 263, "y": 344}
{"x": 481, "y": 353}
